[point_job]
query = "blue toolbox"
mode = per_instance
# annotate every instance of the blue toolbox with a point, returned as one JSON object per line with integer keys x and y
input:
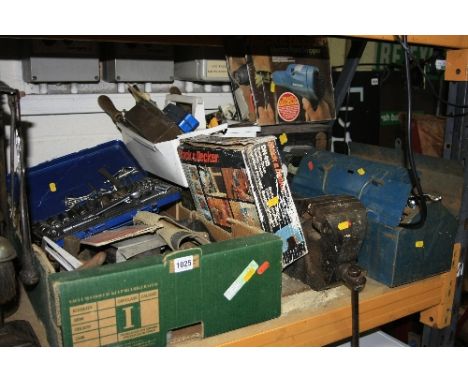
{"x": 391, "y": 254}
{"x": 92, "y": 190}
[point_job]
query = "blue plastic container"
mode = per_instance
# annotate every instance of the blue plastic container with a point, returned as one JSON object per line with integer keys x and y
{"x": 77, "y": 174}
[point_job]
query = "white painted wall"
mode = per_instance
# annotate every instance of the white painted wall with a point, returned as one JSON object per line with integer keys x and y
{"x": 65, "y": 123}
{"x": 62, "y": 123}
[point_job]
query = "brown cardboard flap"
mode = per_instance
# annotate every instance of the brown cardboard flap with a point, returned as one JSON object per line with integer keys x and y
{"x": 239, "y": 229}
{"x": 214, "y": 141}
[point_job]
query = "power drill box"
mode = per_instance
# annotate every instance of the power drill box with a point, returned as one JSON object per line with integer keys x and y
{"x": 281, "y": 81}
{"x": 242, "y": 179}
{"x": 164, "y": 300}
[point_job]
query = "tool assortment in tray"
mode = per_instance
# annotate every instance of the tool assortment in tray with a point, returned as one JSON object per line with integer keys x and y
{"x": 93, "y": 190}
{"x": 105, "y": 208}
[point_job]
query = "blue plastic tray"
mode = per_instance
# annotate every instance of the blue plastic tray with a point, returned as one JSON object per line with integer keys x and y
{"x": 74, "y": 175}
{"x": 77, "y": 174}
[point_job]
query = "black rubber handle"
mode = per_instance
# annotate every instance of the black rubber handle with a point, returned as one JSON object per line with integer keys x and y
{"x": 109, "y": 108}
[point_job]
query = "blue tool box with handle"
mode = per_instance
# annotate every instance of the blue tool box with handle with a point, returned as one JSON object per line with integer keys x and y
{"x": 92, "y": 190}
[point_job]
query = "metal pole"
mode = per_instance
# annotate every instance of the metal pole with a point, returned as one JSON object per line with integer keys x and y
{"x": 355, "y": 318}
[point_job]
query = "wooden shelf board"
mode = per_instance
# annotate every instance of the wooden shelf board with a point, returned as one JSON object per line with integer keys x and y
{"x": 446, "y": 41}
{"x": 329, "y": 321}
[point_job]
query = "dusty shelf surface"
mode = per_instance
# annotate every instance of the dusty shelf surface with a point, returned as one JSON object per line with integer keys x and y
{"x": 308, "y": 318}
{"x": 312, "y": 318}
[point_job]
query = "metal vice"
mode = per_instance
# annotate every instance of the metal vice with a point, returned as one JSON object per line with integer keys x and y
{"x": 334, "y": 227}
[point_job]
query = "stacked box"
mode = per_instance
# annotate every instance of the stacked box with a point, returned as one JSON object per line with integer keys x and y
{"x": 242, "y": 179}
{"x": 287, "y": 81}
{"x": 144, "y": 302}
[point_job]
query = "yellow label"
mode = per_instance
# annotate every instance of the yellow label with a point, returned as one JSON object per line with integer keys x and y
{"x": 249, "y": 274}
{"x": 273, "y": 202}
{"x": 241, "y": 280}
{"x": 344, "y": 225}
{"x": 213, "y": 122}
{"x": 283, "y": 138}
{"x": 419, "y": 244}
{"x": 361, "y": 171}
{"x": 52, "y": 187}
{"x": 272, "y": 87}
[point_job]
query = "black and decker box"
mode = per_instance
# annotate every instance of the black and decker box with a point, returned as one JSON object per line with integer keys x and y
{"x": 282, "y": 80}
{"x": 242, "y": 179}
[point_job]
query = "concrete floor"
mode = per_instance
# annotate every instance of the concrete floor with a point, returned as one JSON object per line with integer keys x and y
{"x": 24, "y": 311}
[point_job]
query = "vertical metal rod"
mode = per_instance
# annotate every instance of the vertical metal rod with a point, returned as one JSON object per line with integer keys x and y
{"x": 355, "y": 318}
{"x": 28, "y": 274}
{"x": 455, "y": 136}
{"x": 346, "y": 76}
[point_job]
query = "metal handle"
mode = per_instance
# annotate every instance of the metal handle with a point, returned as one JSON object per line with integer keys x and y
{"x": 355, "y": 318}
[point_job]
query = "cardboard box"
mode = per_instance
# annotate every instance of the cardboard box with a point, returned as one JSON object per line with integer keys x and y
{"x": 242, "y": 179}
{"x": 160, "y": 159}
{"x": 145, "y": 302}
{"x": 285, "y": 81}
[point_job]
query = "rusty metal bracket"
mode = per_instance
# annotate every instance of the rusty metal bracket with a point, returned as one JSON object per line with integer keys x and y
{"x": 439, "y": 316}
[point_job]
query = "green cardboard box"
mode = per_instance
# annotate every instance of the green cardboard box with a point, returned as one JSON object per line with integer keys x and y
{"x": 216, "y": 287}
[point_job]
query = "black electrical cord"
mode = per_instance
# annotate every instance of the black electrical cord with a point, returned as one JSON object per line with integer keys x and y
{"x": 431, "y": 86}
{"x": 409, "y": 151}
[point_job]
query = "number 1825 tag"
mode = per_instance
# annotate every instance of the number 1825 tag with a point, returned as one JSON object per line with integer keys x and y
{"x": 183, "y": 264}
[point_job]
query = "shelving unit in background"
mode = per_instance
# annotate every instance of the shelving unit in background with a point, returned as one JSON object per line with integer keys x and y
{"x": 320, "y": 318}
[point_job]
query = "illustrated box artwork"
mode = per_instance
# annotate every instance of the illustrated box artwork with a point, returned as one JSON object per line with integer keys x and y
{"x": 285, "y": 80}
{"x": 242, "y": 179}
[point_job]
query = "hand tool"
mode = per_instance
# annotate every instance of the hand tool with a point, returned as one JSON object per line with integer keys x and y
{"x": 300, "y": 79}
{"x": 97, "y": 260}
{"x": 65, "y": 259}
{"x": 391, "y": 253}
{"x": 28, "y": 273}
{"x": 108, "y": 107}
{"x": 145, "y": 118}
{"x": 334, "y": 227}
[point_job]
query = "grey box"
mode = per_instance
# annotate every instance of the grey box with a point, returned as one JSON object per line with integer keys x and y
{"x": 201, "y": 65}
{"x": 61, "y": 61}
{"x": 139, "y": 63}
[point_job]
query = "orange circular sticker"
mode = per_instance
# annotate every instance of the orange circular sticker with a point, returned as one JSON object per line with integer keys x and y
{"x": 288, "y": 107}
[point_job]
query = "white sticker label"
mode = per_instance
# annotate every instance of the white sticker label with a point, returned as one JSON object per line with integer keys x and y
{"x": 216, "y": 68}
{"x": 374, "y": 81}
{"x": 241, "y": 280}
{"x": 440, "y": 64}
{"x": 460, "y": 269}
{"x": 183, "y": 264}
